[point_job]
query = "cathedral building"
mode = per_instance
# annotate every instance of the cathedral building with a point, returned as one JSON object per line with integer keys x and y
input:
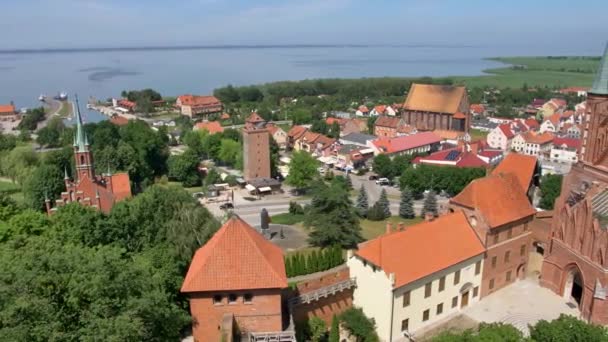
{"x": 575, "y": 264}
{"x": 88, "y": 188}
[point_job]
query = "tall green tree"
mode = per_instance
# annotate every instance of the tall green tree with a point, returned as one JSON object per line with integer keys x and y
{"x": 362, "y": 204}
{"x": 184, "y": 168}
{"x": 382, "y": 165}
{"x": 334, "y": 332}
{"x": 430, "y": 204}
{"x": 384, "y": 204}
{"x": 302, "y": 170}
{"x": 566, "y": 329}
{"x": 332, "y": 217}
{"x": 406, "y": 205}
{"x": 45, "y": 182}
{"x": 550, "y": 189}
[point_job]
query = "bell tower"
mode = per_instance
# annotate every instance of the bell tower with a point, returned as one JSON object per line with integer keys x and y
{"x": 82, "y": 153}
{"x": 595, "y": 136}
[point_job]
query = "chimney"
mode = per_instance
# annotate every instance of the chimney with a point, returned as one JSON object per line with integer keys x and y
{"x": 389, "y": 227}
{"x": 428, "y": 216}
{"x": 401, "y": 226}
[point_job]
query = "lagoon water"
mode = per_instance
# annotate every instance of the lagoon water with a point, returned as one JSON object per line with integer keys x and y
{"x": 102, "y": 74}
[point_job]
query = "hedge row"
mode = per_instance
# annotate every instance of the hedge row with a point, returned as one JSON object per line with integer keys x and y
{"x": 317, "y": 261}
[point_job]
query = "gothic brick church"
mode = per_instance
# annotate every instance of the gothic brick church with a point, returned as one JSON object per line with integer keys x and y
{"x": 576, "y": 266}
{"x": 87, "y": 188}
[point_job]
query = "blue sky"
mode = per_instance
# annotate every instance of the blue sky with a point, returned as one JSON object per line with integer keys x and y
{"x": 84, "y": 23}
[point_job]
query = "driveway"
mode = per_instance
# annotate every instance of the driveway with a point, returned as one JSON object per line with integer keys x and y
{"x": 521, "y": 304}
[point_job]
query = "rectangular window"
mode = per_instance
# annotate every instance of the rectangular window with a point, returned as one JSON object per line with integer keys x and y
{"x": 425, "y": 315}
{"x": 439, "y": 309}
{"x": 406, "y": 299}
{"x": 509, "y": 233}
{"x": 456, "y": 277}
{"x": 494, "y": 261}
{"x": 405, "y": 324}
{"x": 496, "y": 238}
{"x": 477, "y": 267}
{"x": 455, "y": 302}
{"x": 441, "y": 283}
{"x": 217, "y": 299}
{"x": 231, "y": 298}
{"x": 507, "y": 256}
{"x": 491, "y": 283}
{"x": 247, "y": 298}
{"x": 508, "y": 275}
{"x": 522, "y": 250}
{"x": 427, "y": 289}
{"x": 475, "y": 291}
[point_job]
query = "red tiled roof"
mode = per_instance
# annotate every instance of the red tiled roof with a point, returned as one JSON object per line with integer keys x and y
{"x": 380, "y": 109}
{"x": 121, "y": 186}
{"x": 9, "y": 108}
{"x": 540, "y": 139}
{"x": 532, "y": 123}
{"x": 224, "y": 116}
{"x": 522, "y": 166}
{"x": 459, "y": 115}
{"x": 254, "y": 118}
{"x": 499, "y": 198}
{"x": 296, "y": 132}
{"x": 506, "y": 130}
{"x": 119, "y": 120}
{"x": 401, "y": 252}
{"x": 388, "y": 121}
{"x": 127, "y": 104}
{"x": 330, "y": 121}
{"x": 477, "y": 108}
{"x": 555, "y": 119}
{"x": 273, "y": 129}
{"x": 363, "y": 109}
{"x": 210, "y": 126}
{"x": 568, "y": 142}
{"x": 236, "y": 258}
{"x": 559, "y": 102}
{"x": 199, "y": 101}
{"x": 403, "y": 143}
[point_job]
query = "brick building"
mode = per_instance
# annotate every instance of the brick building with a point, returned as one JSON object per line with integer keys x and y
{"x": 256, "y": 148}
{"x": 388, "y": 126}
{"x": 237, "y": 276}
{"x": 193, "y": 105}
{"x": 8, "y": 112}
{"x": 575, "y": 262}
{"x": 87, "y": 188}
{"x": 429, "y": 107}
{"x": 498, "y": 209}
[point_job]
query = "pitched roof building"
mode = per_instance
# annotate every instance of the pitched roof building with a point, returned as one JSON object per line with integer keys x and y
{"x": 87, "y": 188}
{"x": 525, "y": 168}
{"x": 466, "y": 155}
{"x": 210, "y": 126}
{"x": 194, "y": 105}
{"x": 430, "y": 107}
{"x": 402, "y": 294}
{"x": 407, "y": 144}
{"x": 7, "y": 112}
{"x": 237, "y": 274}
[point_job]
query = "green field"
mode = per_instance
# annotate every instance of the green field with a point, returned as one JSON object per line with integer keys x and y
{"x": 536, "y": 72}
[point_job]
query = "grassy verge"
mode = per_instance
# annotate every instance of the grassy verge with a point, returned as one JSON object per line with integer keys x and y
{"x": 66, "y": 109}
{"x": 287, "y": 218}
{"x": 190, "y": 190}
{"x": 478, "y": 135}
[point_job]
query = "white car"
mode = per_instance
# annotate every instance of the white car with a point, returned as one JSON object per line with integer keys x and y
{"x": 383, "y": 181}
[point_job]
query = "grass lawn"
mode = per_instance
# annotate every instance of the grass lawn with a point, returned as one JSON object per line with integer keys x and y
{"x": 478, "y": 135}
{"x": 287, "y": 218}
{"x": 8, "y": 186}
{"x": 165, "y": 116}
{"x": 190, "y": 190}
{"x": 66, "y": 109}
{"x": 373, "y": 229}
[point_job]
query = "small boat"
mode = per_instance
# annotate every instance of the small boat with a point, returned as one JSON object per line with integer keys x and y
{"x": 62, "y": 96}
{"x": 41, "y": 98}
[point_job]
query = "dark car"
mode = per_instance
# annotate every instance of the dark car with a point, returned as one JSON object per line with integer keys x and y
{"x": 373, "y": 177}
{"x": 227, "y": 205}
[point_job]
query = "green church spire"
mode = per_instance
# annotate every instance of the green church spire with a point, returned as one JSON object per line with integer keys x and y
{"x": 600, "y": 84}
{"x": 80, "y": 140}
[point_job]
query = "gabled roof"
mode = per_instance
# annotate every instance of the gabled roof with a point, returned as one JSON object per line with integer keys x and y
{"x": 273, "y": 129}
{"x": 388, "y": 121}
{"x": 194, "y": 100}
{"x": 539, "y": 139}
{"x": 340, "y": 121}
{"x": 521, "y": 165}
{"x": 432, "y": 242}
{"x": 506, "y": 130}
{"x": 532, "y": 123}
{"x": 296, "y": 132}
{"x": 434, "y": 98}
{"x": 9, "y": 108}
{"x": 554, "y": 119}
{"x": 600, "y": 83}
{"x": 380, "y": 109}
{"x": 237, "y": 257}
{"x": 254, "y": 118}
{"x": 407, "y": 142}
{"x": 359, "y": 138}
{"x": 363, "y": 109}
{"x": 477, "y": 108}
{"x": 570, "y": 143}
{"x": 498, "y": 197}
{"x": 210, "y": 126}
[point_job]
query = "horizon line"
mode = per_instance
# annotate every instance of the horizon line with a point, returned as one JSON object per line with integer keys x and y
{"x": 220, "y": 47}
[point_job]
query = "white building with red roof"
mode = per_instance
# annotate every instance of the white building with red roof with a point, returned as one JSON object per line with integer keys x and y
{"x": 501, "y": 137}
{"x": 474, "y": 154}
{"x": 565, "y": 150}
{"x": 410, "y": 278}
{"x": 194, "y": 105}
{"x": 408, "y": 144}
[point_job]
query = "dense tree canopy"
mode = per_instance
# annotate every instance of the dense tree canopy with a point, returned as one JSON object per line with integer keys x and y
{"x": 302, "y": 170}
{"x": 430, "y": 177}
{"x": 550, "y": 189}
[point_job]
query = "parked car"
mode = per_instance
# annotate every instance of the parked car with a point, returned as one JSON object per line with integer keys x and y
{"x": 227, "y": 205}
{"x": 383, "y": 181}
{"x": 373, "y": 177}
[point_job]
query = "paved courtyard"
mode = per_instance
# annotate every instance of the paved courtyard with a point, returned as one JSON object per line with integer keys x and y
{"x": 520, "y": 304}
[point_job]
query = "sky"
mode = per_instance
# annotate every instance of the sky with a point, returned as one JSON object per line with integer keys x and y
{"x": 580, "y": 25}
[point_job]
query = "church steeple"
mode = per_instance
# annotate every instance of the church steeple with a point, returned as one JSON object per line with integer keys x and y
{"x": 600, "y": 83}
{"x": 82, "y": 155}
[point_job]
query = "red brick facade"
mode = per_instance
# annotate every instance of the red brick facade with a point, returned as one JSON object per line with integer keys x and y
{"x": 261, "y": 314}
{"x": 575, "y": 262}
{"x": 256, "y": 154}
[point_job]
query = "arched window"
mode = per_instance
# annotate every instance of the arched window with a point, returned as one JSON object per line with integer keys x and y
{"x": 81, "y": 159}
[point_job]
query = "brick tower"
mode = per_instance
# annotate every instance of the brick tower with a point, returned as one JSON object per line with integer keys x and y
{"x": 256, "y": 146}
